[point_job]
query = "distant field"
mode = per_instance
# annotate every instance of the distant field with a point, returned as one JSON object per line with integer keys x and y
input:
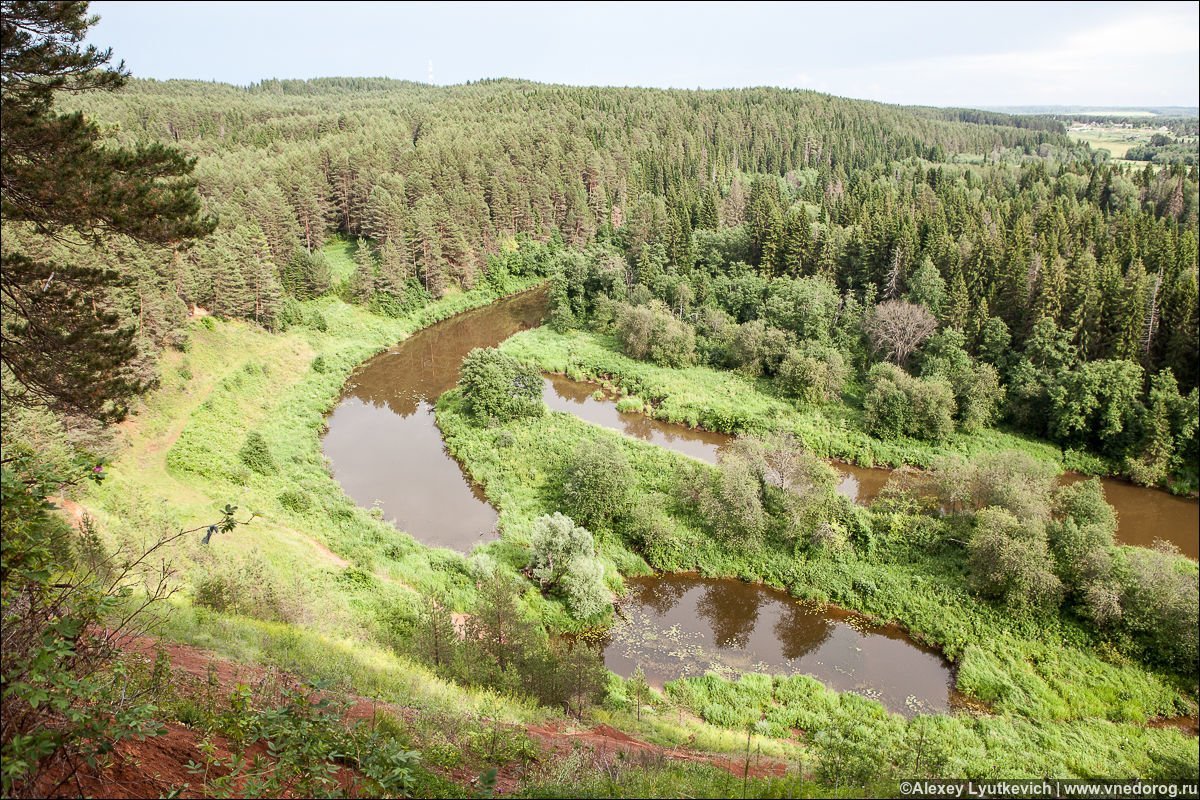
{"x": 1115, "y": 140}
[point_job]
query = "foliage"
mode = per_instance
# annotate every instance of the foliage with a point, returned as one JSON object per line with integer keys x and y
{"x": 498, "y": 387}
{"x": 652, "y": 333}
{"x": 256, "y": 454}
{"x": 64, "y": 345}
{"x": 1010, "y": 560}
{"x": 596, "y": 483}
{"x": 564, "y": 557}
{"x": 67, "y": 604}
{"x": 897, "y": 404}
{"x": 814, "y": 373}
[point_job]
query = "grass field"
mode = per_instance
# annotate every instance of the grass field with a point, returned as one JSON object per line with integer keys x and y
{"x": 1116, "y": 141}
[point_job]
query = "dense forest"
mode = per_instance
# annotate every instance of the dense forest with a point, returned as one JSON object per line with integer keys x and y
{"x": 1069, "y": 281}
{"x": 192, "y": 272}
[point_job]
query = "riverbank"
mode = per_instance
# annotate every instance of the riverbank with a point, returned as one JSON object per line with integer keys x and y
{"x": 321, "y": 587}
{"x": 1146, "y": 516}
{"x": 1040, "y": 667}
{"x": 311, "y": 556}
{"x": 728, "y": 402}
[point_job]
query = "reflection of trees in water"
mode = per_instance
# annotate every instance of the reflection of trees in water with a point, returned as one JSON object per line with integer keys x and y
{"x": 640, "y": 426}
{"x": 659, "y": 594}
{"x": 427, "y": 364}
{"x": 732, "y": 611}
{"x": 574, "y": 391}
{"x": 799, "y": 631}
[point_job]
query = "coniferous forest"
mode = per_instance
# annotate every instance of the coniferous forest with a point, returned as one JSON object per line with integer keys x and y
{"x": 196, "y": 276}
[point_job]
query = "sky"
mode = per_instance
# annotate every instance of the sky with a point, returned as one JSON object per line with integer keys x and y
{"x": 944, "y": 54}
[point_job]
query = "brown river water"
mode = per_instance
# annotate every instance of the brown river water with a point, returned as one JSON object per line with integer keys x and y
{"x": 678, "y": 625}
{"x": 386, "y": 451}
{"x": 383, "y": 444}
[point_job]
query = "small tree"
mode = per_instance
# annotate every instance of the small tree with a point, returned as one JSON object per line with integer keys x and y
{"x": 597, "y": 483}
{"x": 812, "y": 372}
{"x": 435, "y": 639}
{"x": 564, "y": 559}
{"x": 1010, "y": 560}
{"x": 256, "y": 454}
{"x": 639, "y": 689}
{"x": 306, "y": 275}
{"x": 498, "y": 387}
{"x": 897, "y": 404}
{"x": 556, "y": 542}
{"x": 897, "y": 328}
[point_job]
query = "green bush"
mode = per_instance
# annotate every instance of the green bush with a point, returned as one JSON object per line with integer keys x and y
{"x": 256, "y": 455}
{"x": 812, "y": 372}
{"x": 497, "y": 387}
{"x": 897, "y": 404}
{"x": 652, "y": 333}
{"x": 596, "y": 483}
{"x": 296, "y": 500}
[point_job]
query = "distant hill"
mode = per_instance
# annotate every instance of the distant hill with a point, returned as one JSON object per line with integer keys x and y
{"x": 1101, "y": 111}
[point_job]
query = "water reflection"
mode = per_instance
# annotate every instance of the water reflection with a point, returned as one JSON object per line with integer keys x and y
{"x": 579, "y": 398}
{"x": 678, "y": 625}
{"x": 384, "y": 446}
{"x": 1144, "y": 514}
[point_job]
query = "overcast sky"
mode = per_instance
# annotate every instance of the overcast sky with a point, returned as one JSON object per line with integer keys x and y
{"x": 969, "y": 54}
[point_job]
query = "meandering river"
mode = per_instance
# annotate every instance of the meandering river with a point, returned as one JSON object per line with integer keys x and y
{"x": 385, "y": 449}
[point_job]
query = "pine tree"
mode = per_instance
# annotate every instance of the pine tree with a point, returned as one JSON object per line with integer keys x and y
{"x": 62, "y": 343}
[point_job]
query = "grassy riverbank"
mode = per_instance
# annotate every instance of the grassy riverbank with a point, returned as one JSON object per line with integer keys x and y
{"x": 1053, "y": 691}
{"x": 725, "y": 401}
{"x": 310, "y": 556}
{"x": 321, "y": 587}
{"x": 314, "y": 584}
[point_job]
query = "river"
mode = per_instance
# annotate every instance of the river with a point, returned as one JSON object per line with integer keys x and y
{"x": 385, "y": 449}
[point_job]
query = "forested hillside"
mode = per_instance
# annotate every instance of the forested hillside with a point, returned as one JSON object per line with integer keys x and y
{"x": 194, "y": 275}
{"x": 1073, "y": 278}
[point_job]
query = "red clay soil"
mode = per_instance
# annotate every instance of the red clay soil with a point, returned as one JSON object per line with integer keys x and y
{"x": 158, "y": 765}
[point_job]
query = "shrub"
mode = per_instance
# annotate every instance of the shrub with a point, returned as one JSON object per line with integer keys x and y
{"x": 1160, "y": 605}
{"x": 597, "y": 483}
{"x": 295, "y": 500}
{"x": 583, "y": 585}
{"x": 732, "y": 503}
{"x": 256, "y": 455}
{"x": 245, "y": 587}
{"x": 897, "y": 404}
{"x": 556, "y": 542}
{"x": 1010, "y": 560}
{"x": 498, "y": 387}
{"x": 652, "y": 333}
{"x": 758, "y": 349}
{"x": 812, "y": 372}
